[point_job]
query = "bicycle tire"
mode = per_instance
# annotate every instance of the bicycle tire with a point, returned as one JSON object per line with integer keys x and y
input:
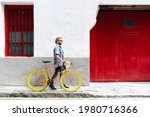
{"x": 64, "y": 75}
{"x": 29, "y": 78}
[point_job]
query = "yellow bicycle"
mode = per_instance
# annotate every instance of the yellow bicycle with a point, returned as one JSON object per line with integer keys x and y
{"x": 37, "y": 79}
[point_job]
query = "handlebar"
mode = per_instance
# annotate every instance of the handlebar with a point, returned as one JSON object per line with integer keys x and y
{"x": 68, "y": 64}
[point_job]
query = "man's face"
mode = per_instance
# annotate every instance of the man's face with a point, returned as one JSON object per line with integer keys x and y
{"x": 60, "y": 42}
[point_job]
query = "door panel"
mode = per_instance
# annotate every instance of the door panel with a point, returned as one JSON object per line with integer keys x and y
{"x": 105, "y": 63}
{"x": 121, "y": 46}
{"x": 145, "y": 48}
{"x": 129, "y": 38}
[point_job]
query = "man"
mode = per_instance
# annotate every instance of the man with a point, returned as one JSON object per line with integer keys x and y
{"x": 58, "y": 61}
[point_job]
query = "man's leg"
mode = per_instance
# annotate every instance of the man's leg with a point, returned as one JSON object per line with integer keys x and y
{"x": 62, "y": 69}
{"x": 57, "y": 70}
{"x": 51, "y": 80}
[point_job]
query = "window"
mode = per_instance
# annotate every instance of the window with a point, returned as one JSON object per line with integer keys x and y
{"x": 19, "y": 30}
{"x": 129, "y": 23}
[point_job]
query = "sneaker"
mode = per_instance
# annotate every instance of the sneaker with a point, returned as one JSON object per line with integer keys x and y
{"x": 50, "y": 82}
{"x": 52, "y": 87}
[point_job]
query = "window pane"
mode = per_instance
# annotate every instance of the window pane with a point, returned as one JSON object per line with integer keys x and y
{"x": 15, "y": 36}
{"x": 27, "y": 36}
{"x": 129, "y": 23}
{"x": 28, "y": 49}
{"x": 14, "y": 49}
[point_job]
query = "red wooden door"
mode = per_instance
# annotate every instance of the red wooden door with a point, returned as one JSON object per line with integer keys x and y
{"x": 145, "y": 47}
{"x": 119, "y": 46}
{"x": 129, "y": 39}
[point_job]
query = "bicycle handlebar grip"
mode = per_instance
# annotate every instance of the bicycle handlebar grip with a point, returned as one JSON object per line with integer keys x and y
{"x": 68, "y": 64}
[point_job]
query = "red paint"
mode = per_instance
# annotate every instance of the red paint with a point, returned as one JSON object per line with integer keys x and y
{"x": 120, "y": 53}
{"x": 17, "y": 22}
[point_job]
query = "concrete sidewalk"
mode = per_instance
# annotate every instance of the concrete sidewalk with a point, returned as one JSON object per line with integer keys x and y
{"x": 95, "y": 90}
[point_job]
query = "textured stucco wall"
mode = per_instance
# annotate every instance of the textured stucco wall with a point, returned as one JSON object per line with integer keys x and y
{"x": 71, "y": 19}
{"x": 13, "y": 71}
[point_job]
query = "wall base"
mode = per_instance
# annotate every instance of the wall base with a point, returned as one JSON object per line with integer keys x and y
{"x": 13, "y": 71}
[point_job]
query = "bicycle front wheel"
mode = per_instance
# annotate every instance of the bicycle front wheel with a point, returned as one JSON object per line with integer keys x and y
{"x": 37, "y": 80}
{"x": 72, "y": 80}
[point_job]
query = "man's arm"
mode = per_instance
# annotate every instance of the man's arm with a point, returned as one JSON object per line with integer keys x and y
{"x": 58, "y": 57}
{"x": 57, "y": 53}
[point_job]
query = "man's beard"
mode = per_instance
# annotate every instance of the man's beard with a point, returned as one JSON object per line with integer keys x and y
{"x": 59, "y": 43}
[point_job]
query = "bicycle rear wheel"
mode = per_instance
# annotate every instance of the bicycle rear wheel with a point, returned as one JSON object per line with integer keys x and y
{"x": 71, "y": 79}
{"x": 37, "y": 80}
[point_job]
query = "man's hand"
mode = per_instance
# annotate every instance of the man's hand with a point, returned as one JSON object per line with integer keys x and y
{"x": 63, "y": 61}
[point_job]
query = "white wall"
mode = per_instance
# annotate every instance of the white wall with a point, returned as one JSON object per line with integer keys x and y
{"x": 124, "y": 2}
{"x": 2, "y": 38}
{"x": 71, "y": 19}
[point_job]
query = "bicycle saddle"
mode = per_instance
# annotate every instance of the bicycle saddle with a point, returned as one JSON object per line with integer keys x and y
{"x": 46, "y": 61}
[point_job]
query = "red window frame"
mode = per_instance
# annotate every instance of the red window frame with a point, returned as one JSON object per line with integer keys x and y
{"x": 6, "y": 8}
